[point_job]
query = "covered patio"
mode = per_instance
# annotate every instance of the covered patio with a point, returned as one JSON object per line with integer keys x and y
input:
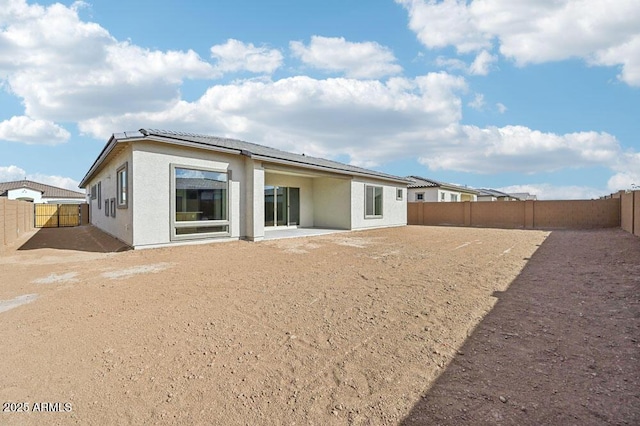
{"x": 279, "y": 233}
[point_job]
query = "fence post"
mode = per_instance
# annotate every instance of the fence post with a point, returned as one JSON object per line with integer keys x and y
{"x": 467, "y": 213}
{"x": 529, "y": 219}
{"x": 3, "y": 207}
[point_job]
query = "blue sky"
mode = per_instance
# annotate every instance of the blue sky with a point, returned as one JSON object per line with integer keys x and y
{"x": 540, "y": 96}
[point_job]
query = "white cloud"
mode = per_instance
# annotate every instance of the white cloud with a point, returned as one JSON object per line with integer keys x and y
{"x": 356, "y": 60}
{"x": 446, "y": 23}
{"x": 12, "y": 173}
{"x": 627, "y": 174}
{"x": 65, "y": 69}
{"x": 520, "y": 149}
{"x": 451, "y": 64}
{"x": 482, "y": 64}
{"x": 602, "y": 32}
{"x": 55, "y": 180}
{"x": 327, "y": 118}
{"x": 501, "y": 108}
{"x": 477, "y": 102}
{"x": 235, "y": 55}
{"x": 546, "y": 191}
{"x": 373, "y": 122}
{"x": 32, "y": 132}
{"x": 106, "y": 85}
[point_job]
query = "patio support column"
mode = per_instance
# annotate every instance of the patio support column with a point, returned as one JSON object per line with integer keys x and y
{"x": 254, "y": 200}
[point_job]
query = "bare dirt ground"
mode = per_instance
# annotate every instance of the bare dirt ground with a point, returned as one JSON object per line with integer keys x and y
{"x": 413, "y": 326}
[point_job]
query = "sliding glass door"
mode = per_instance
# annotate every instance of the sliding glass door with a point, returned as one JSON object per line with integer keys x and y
{"x": 281, "y": 206}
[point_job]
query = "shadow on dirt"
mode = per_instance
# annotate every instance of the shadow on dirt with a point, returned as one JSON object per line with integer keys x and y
{"x": 79, "y": 238}
{"x": 561, "y": 345}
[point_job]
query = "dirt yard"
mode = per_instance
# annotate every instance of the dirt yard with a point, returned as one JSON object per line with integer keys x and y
{"x": 411, "y": 326}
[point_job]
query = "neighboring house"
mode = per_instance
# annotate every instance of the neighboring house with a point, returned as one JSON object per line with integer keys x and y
{"x": 422, "y": 189}
{"x": 153, "y": 188}
{"x": 523, "y": 196}
{"x": 494, "y": 195}
{"x": 40, "y": 193}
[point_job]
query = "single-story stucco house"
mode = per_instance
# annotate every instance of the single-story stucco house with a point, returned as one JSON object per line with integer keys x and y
{"x": 40, "y": 193}
{"x": 151, "y": 188}
{"x": 423, "y": 189}
{"x": 485, "y": 194}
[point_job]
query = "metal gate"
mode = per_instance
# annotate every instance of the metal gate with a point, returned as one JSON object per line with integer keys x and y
{"x": 56, "y": 215}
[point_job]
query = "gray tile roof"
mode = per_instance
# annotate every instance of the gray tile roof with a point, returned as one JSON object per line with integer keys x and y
{"x": 252, "y": 149}
{"x": 47, "y": 191}
{"x": 492, "y": 192}
{"x": 234, "y": 146}
{"x": 265, "y": 152}
{"x": 420, "y": 182}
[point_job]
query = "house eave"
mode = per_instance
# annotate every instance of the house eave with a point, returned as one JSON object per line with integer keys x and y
{"x": 325, "y": 169}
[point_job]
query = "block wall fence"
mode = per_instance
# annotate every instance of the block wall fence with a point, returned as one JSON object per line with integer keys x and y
{"x": 629, "y": 211}
{"x": 16, "y": 218}
{"x": 618, "y": 210}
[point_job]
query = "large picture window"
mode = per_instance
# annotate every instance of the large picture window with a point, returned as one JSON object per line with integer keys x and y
{"x": 373, "y": 201}
{"x": 200, "y": 202}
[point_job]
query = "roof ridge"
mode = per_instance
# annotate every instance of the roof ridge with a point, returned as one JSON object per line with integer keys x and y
{"x": 161, "y": 132}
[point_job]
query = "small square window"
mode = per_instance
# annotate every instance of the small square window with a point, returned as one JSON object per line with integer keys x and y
{"x": 420, "y": 196}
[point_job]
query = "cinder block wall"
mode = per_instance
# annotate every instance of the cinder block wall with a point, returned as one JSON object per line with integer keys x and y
{"x": 626, "y": 211}
{"x": 636, "y": 213}
{"x": 630, "y": 212}
{"x": 499, "y": 214}
{"x": 564, "y": 214}
{"x": 433, "y": 213}
{"x": 16, "y": 218}
{"x": 577, "y": 214}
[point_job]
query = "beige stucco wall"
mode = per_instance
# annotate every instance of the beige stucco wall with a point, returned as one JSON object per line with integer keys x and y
{"x": 151, "y": 177}
{"x": 435, "y": 194}
{"x": 253, "y": 195}
{"x": 331, "y": 198}
{"x": 121, "y": 226}
{"x": 430, "y": 194}
{"x": 394, "y": 211}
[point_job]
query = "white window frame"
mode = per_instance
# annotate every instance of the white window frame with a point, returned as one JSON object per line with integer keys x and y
{"x": 419, "y": 196}
{"x": 399, "y": 194}
{"x": 99, "y": 194}
{"x": 374, "y": 188}
{"x": 188, "y": 224}
{"x": 454, "y": 197}
{"x": 122, "y": 189}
